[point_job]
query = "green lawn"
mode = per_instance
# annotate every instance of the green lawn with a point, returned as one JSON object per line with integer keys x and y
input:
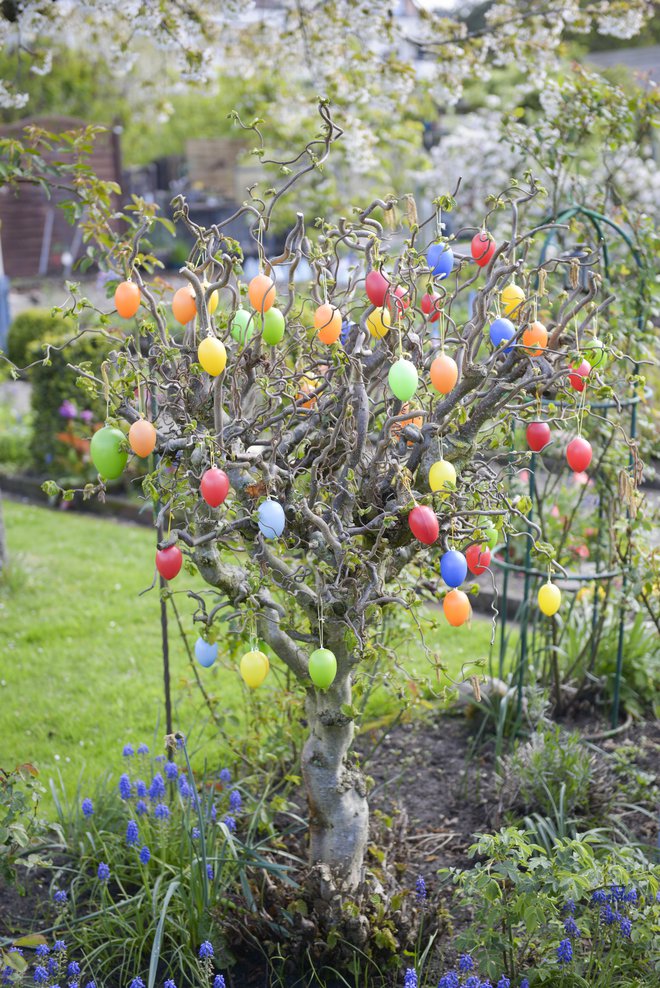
{"x": 80, "y": 660}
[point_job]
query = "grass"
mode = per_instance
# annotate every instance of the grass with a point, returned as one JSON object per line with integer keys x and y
{"x": 81, "y": 668}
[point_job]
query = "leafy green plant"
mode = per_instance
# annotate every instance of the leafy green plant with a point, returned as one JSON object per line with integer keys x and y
{"x": 570, "y": 917}
{"x": 31, "y": 326}
{"x": 15, "y": 438}
{"x": 23, "y": 833}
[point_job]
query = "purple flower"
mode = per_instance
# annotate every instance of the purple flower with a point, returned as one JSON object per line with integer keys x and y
{"x": 137, "y": 983}
{"x": 184, "y": 788}
{"x": 449, "y": 980}
{"x": 632, "y": 896}
{"x": 59, "y": 947}
{"x": 569, "y": 906}
{"x": 209, "y": 872}
{"x": 143, "y": 749}
{"x": 132, "y": 832}
{"x": 169, "y": 984}
{"x": 206, "y": 950}
{"x": 625, "y": 926}
{"x": 230, "y": 824}
{"x": 219, "y": 981}
{"x": 125, "y": 788}
{"x": 524, "y": 983}
{"x": 472, "y": 982}
{"x": 87, "y": 806}
{"x": 103, "y": 872}
{"x": 171, "y": 771}
{"x": 235, "y": 803}
{"x": 73, "y": 969}
{"x": 599, "y": 897}
{"x": 59, "y": 897}
{"x": 140, "y": 788}
{"x": 225, "y": 776}
{"x": 52, "y": 966}
{"x": 42, "y": 950}
{"x": 571, "y": 927}
{"x": 157, "y": 787}
{"x": 465, "y": 963}
{"x": 213, "y": 813}
{"x": 141, "y": 807}
{"x": 195, "y": 833}
{"x": 87, "y": 416}
{"x": 410, "y": 978}
{"x": 565, "y": 952}
{"x": 128, "y": 751}
{"x": 145, "y": 855}
{"x": 504, "y": 982}
{"x": 67, "y": 409}
{"x": 40, "y": 974}
{"x": 162, "y": 811}
{"x": 420, "y": 884}
{"x": 90, "y": 984}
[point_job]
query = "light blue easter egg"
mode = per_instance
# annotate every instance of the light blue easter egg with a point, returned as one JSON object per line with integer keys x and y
{"x": 271, "y": 519}
{"x": 440, "y": 259}
{"x": 206, "y": 652}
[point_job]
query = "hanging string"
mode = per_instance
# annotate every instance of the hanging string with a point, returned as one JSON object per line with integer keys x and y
{"x": 438, "y": 222}
{"x": 324, "y": 275}
{"x": 320, "y": 618}
{"x": 260, "y": 245}
{"x": 399, "y": 308}
{"x": 442, "y": 331}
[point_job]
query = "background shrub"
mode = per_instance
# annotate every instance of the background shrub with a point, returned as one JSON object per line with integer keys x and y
{"x": 29, "y": 327}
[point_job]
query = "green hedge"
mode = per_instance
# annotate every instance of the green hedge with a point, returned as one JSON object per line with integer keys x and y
{"x": 53, "y": 384}
{"x": 30, "y": 327}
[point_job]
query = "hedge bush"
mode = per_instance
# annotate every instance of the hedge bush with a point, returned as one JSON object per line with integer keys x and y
{"x": 31, "y": 326}
{"x": 53, "y": 385}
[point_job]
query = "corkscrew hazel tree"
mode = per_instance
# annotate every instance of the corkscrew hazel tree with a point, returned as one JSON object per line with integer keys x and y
{"x": 317, "y": 428}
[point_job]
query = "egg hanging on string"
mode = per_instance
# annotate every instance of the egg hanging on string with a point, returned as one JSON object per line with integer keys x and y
{"x": 376, "y": 287}
{"x": 453, "y": 568}
{"x": 442, "y": 475}
{"x": 378, "y": 323}
{"x": 254, "y": 668}
{"x": 273, "y": 327}
{"x": 169, "y": 562}
{"x": 142, "y": 438}
{"x": 327, "y": 320}
{"x": 478, "y": 558}
{"x": 512, "y": 298}
{"x": 440, "y": 259}
{"x": 456, "y": 607}
{"x": 184, "y": 306}
{"x": 501, "y": 331}
{"x": 482, "y": 248}
{"x": 107, "y": 455}
{"x": 549, "y": 598}
{"x": 206, "y": 652}
{"x": 214, "y": 486}
{"x": 322, "y": 668}
{"x": 127, "y": 299}
{"x": 212, "y": 355}
{"x": 535, "y": 338}
{"x": 271, "y": 519}
{"x": 403, "y": 379}
{"x": 578, "y": 454}
{"x": 444, "y": 373}
{"x": 430, "y": 305}
{"x": 538, "y": 436}
{"x": 578, "y": 375}
{"x": 423, "y": 524}
{"x": 241, "y": 326}
{"x": 261, "y": 292}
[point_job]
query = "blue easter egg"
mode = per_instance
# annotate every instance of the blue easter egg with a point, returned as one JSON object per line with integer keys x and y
{"x": 206, "y": 652}
{"x": 345, "y": 331}
{"x": 271, "y": 519}
{"x": 453, "y": 567}
{"x": 501, "y": 331}
{"x": 440, "y": 259}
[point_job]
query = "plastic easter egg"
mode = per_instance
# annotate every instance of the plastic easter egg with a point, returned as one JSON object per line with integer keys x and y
{"x": 241, "y": 326}
{"x": 456, "y": 607}
{"x": 254, "y": 668}
{"x": 169, "y": 562}
{"x": 424, "y": 524}
{"x": 440, "y": 259}
{"x": 403, "y": 379}
{"x": 444, "y": 373}
{"x": 127, "y": 299}
{"x": 482, "y": 248}
{"x": 490, "y": 537}
{"x": 538, "y": 435}
{"x": 308, "y": 385}
{"x": 535, "y": 338}
{"x": 212, "y": 301}
{"x": 501, "y": 331}
{"x": 376, "y": 286}
{"x": 579, "y": 374}
{"x": 327, "y": 320}
{"x": 214, "y": 486}
{"x": 398, "y": 300}
{"x": 477, "y": 558}
{"x": 206, "y": 652}
{"x": 512, "y": 298}
{"x": 271, "y": 519}
{"x": 107, "y": 456}
{"x": 184, "y": 306}
{"x": 595, "y": 352}
{"x": 378, "y": 323}
{"x": 322, "y": 668}
{"x": 578, "y": 454}
{"x": 453, "y": 568}
{"x": 261, "y": 292}
{"x": 142, "y": 438}
{"x": 441, "y": 475}
{"x": 430, "y": 305}
{"x": 212, "y": 355}
{"x": 273, "y": 331}
{"x": 549, "y": 598}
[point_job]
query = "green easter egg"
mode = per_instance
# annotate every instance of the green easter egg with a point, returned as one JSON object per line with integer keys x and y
{"x": 273, "y": 326}
{"x": 106, "y": 454}
{"x": 595, "y": 352}
{"x": 403, "y": 379}
{"x": 242, "y": 326}
{"x": 490, "y": 537}
{"x": 322, "y": 668}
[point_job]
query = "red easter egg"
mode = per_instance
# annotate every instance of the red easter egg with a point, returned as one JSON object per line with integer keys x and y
{"x": 169, "y": 562}
{"x": 430, "y": 306}
{"x": 478, "y": 558}
{"x": 578, "y": 454}
{"x": 579, "y": 374}
{"x": 538, "y": 435}
{"x": 214, "y": 486}
{"x": 424, "y": 524}
{"x": 398, "y": 300}
{"x": 376, "y": 286}
{"x": 482, "y": 248}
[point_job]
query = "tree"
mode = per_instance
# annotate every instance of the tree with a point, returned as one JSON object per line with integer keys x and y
{"x": 318, "y": 428}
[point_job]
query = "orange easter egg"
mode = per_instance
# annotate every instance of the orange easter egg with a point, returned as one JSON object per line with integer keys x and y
{"x": 327, "y": 319}
{"x": 456, "y": 607}
{"x": 184, "y": 307}
{"x": 536, "y": 335}
{"x": 142, "y": 438}
{"x": 127, "y": 299}
{"x": 261, "y": 292}
{"x": 444, "y": 373}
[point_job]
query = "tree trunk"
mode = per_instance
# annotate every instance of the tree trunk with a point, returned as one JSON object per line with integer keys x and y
{"x": 336, "y": 792}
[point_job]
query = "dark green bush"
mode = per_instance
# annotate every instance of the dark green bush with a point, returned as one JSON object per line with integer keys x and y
{"x": 53, "y": 385}
{"x": 29, "y": 327}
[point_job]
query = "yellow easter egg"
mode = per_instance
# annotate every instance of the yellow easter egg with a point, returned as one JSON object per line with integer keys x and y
{"x": 549, "y": 598}
{"x": 378, "y": 323}
{"x": 512, "y": 299}
{"x": 441, "y": 474}
{"x": 254, "y": 668}
{"x": 212, "y": 301}
{"x": 212, "y": 355}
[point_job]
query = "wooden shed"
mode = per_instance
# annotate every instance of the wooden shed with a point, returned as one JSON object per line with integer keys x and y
{"x": 35, "y": 236}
